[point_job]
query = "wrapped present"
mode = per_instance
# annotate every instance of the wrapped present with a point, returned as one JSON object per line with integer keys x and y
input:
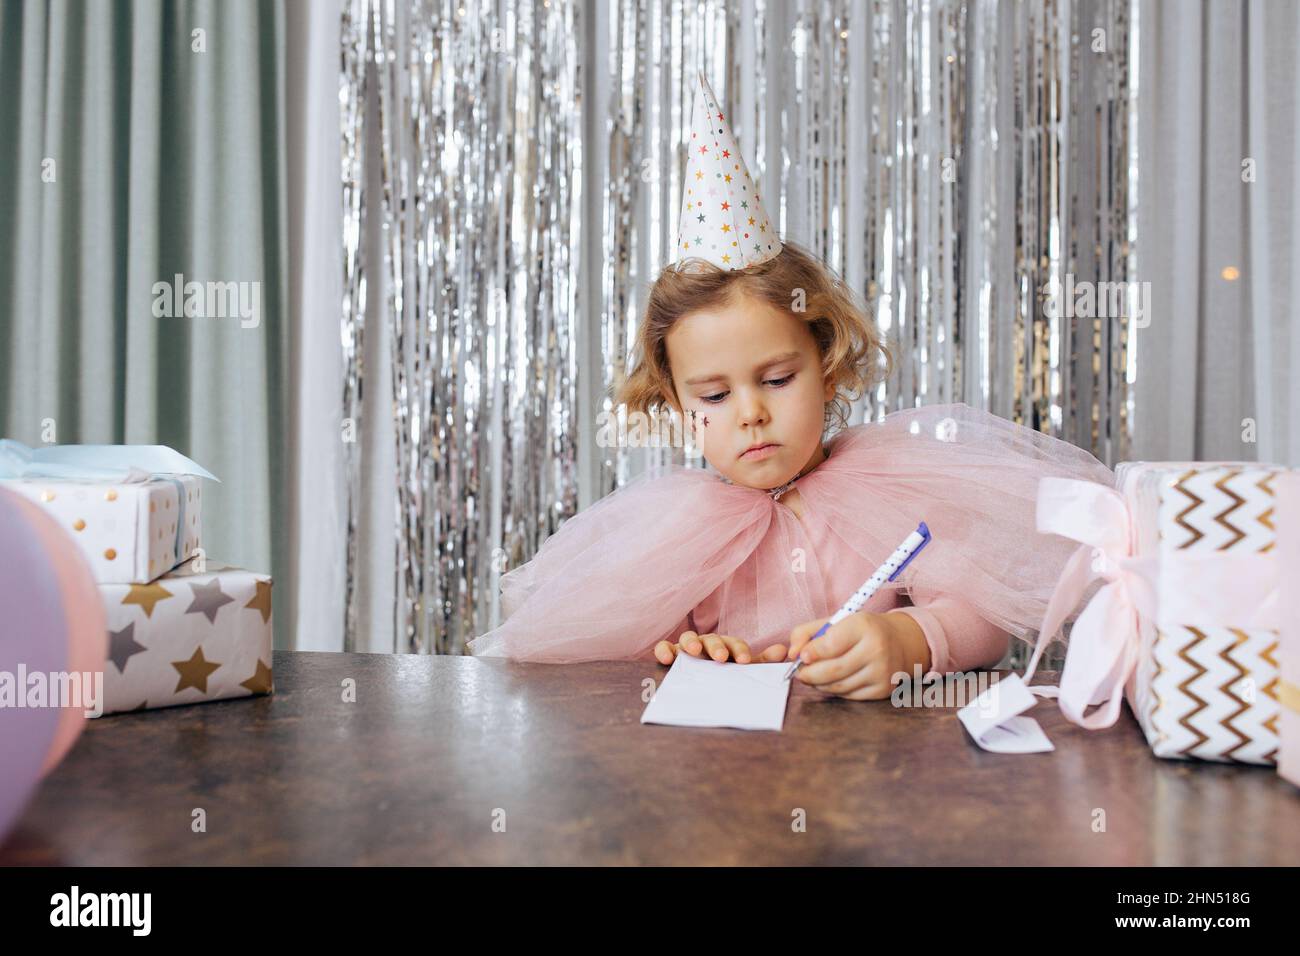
{"x": 1288, "y": 509}
{"x": 134, "y": 510}
{"x": 1206, "y": 684}
{"x": 1186, "y": 624}
{"x": 196, "y": 634}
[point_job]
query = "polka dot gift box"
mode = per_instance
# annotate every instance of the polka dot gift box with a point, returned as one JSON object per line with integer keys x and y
{"x": 135, "y": 511}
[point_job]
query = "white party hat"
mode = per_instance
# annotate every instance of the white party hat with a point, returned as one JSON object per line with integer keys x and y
{"x": 723, "y": 219}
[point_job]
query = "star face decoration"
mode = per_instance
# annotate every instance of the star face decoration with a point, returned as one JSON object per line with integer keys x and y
{"x": 122, "y": 646}
{"x": 147, "y": 596}
{"x": 194, "y": 672}
{"x": 208, "y": 599}
{"x": 696, "y": 416}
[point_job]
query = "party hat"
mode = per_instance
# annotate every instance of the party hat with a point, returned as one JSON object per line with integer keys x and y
{"x": 723, "y": 220}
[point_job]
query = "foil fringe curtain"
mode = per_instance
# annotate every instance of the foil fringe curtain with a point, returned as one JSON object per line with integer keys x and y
{"x": 476, "y": 137}
{"x": 950, "y": 159}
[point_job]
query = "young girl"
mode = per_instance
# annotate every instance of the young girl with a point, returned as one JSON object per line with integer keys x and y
{"x": 760, "y": 353}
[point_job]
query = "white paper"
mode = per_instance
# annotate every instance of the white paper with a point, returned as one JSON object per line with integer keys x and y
{"x": 994, "y": 722}
{"x": 698, "y": 692}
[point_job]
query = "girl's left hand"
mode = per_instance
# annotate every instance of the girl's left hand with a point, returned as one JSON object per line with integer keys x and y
{"x": 855, "y": 659}
{"x": 717, "y": 646}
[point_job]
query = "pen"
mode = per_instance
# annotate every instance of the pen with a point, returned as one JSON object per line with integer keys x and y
{"x": 888, "y": 571}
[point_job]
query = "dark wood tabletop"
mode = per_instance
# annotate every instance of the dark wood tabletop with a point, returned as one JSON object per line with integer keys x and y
{"x": 453, "y": 760}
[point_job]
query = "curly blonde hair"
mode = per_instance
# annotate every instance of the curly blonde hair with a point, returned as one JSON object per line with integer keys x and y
{"x": 847, "y": 339}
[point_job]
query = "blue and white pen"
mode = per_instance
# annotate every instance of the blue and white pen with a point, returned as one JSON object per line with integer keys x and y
{"x": 888, "y": 571}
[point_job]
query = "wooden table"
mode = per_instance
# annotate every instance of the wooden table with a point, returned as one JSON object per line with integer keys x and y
{"x": 437, "y": 753}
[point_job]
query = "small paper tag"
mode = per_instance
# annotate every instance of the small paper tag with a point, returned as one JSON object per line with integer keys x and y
{"x": 993, "y": 719}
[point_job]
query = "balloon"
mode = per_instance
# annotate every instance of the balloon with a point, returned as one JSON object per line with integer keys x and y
{"x": 84, "y": 618}
{"x": 51, "y": 620}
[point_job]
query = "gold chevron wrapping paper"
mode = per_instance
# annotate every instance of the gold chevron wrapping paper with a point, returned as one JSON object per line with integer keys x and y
{"x": 1201, "y": 690}
{"x": 130, "y": 532}
{"x": 1288, "y": 507}
{"x": 189, "y": 637}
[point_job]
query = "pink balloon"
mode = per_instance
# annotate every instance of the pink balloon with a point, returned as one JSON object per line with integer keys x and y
{"x": 32, "y": 638}
{"x": 83, "y": 612}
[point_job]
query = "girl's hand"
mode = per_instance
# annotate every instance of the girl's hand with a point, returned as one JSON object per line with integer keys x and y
{"x": 856, "y": 658}
{"x": 719, "y": 648}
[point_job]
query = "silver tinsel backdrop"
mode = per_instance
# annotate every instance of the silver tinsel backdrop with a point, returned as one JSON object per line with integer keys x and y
{"x": 950, "y": 159}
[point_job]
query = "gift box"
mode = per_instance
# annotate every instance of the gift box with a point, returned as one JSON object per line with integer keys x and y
{"x": 1206, "y": 684}
{"x": 134, "y": 510}
{"x": 1288, "y": 508}
{"x": 196, "y": 634}
{"x": 1187, "y": 623}
{"x": 129, "y": 532}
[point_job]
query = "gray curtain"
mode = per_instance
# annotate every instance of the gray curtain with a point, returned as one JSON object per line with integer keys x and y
{"x": 315, "y": 521}
{"x": 1218, "y": 368}
{"x": 136, "y": 149}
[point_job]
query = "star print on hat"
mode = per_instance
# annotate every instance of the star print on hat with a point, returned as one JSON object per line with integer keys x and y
{"x": 723, "y": 220}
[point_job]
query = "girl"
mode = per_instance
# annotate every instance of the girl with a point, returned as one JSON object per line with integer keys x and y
{"x": 760, "y": 353}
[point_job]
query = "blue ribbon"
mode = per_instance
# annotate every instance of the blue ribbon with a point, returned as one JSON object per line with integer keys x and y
{"x": 94, "y": 462}
{"x": 180, "y": 515}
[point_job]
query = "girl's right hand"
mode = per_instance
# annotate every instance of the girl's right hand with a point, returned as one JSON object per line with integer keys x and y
{"x": 719, "y": 647}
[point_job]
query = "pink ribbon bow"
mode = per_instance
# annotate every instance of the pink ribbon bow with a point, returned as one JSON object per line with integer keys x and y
{"x": 1103, "y": 645}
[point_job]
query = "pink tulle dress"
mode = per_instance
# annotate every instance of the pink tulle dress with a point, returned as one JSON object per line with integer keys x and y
{"x": 690, "y": 550}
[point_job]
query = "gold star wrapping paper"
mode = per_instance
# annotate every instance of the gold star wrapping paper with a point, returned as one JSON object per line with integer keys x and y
{"x": 130, "y": 532}
{"x": 187, "y": 638}
{"x": 146, "y": 596}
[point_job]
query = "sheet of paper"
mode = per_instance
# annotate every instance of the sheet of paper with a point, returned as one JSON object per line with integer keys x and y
{"x": 698, "y": 692}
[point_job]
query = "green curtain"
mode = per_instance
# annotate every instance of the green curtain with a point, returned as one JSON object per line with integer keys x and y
{"x": 138, "y": 141}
